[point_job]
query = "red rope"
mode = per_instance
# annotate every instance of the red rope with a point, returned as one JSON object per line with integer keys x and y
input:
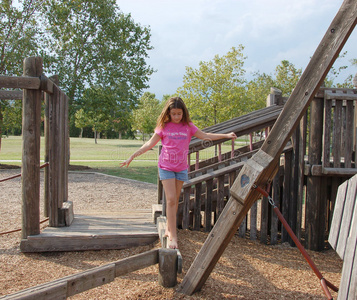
{"x": 324, "y": 282}
{"x": 16, "y": 230}
{"x": 19, "y": 175}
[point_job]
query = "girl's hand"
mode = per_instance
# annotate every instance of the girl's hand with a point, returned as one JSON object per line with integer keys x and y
{"x": 126, "y": 163}
{"x": 232, "y": 135}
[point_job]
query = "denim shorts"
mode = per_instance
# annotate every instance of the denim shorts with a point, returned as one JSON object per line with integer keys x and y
{"x": 164, "y": 174}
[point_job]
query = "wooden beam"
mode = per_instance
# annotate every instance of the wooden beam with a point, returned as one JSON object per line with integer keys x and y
{"x": 10, "y": 95}
{"x": 261, "y": 168}
{"x": 20, "y": 82}
{"x": 319, "y": 170}
{"x": 80, "y": 282}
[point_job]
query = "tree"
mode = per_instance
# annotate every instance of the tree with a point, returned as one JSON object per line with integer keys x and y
{"x": 287, "y": 77}
{"x": 257, "y": 91}
{"x": 19, "y": 34}
{"x": 215, "y": 92}
{"x": 145, "y": 116}
{"x": 92, "y": 44}
{"x": 81, "y": 120}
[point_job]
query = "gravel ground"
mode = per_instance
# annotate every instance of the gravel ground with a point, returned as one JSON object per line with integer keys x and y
{"x": 246, "y": 270}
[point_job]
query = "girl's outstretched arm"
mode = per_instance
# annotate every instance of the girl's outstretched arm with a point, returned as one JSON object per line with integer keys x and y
{"x": 147, "y": 146}
{"x": 214, "y": 136}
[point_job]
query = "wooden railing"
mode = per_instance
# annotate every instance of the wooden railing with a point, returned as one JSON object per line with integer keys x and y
{"x": 36, "y": 87}
{"x": 319, "y": 157}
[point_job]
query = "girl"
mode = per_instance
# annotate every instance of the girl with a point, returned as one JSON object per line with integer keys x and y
{"x": 174, "y": 129}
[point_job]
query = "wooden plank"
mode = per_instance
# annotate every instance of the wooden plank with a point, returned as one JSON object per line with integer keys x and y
{"x": 242, "y": 125}
{"x": 264, "y": 215}
{"x": 80, "y": 282}
{"x": 337, "y": 135}
{"x": 186, "y": 207}
{"x": 11, "y": 95}
{"x": 90, "y": 279}
{"x": 340, "y": 95}
{"x": 314, "y": 221}
{"x": 319, "y": 170}
{"x": 301, "y": 178}
{"x": 286, "y": 203}
{"x": 337, "y": 214}
{"x": 348, "y": 137}
{"x": 197, "y": 207}
{"x": 326, "y": 139}
{"x": 348, "y": 283}
{"x": 273, "y": 216}
{"x": 253, "y": 221}
{"x": 220, "y": 196}
{"x": 27, "y": 81}
{"x": 54, "y": 158}
{"x": 136, "y": 262}
{"x": 52, "y": 290}
{"x": 208, "y": 205}
{"x": 345, "y": 225}
{"x": 31, "y": 133}
{"x": 262, "y": 166}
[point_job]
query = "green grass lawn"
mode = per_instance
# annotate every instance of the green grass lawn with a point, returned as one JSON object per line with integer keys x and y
{"x": 105, "y": 156}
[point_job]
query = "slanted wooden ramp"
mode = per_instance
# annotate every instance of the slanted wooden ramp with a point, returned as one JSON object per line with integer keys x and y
{"x": 96, "y": 231}
{"x": 261, "y": 168}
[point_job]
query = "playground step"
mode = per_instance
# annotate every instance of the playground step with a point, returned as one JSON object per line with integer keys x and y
{"x": 96, "y": 231}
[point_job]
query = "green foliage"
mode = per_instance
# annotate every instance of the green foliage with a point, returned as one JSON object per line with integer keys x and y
{"x": 145, "y": 116}
{"x": 19, "y": 34}
{"x": 257, "y": 91}
{"x": 91, "y": 43}
{"x": 214, "y": 92}
{"x": 287, "y": 77}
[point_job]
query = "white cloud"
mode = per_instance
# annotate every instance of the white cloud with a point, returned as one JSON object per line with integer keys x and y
{"x": 185, "y": 32}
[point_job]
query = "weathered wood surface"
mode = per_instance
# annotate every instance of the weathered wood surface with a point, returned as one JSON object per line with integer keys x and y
{"x": 261, "y": 168}
{"x": 11, "y": 95}
{"x": 31, "y": 133}
{"x": 343, "y": 236}
{"x": 28, "y": 81}
{"x": 95, "y": 232}
{"x": 80, "y": 282}
{"x": 256, "y": 120}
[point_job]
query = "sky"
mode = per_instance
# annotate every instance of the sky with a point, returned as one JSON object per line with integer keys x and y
{"x": 185, "y": 32}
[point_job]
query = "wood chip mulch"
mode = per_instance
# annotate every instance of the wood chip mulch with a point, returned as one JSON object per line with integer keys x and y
{"x": 246, "y": 270}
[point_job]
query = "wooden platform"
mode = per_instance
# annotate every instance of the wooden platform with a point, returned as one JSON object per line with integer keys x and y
{"x": 96, "y": 231}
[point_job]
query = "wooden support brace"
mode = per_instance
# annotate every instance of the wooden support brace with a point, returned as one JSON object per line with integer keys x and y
{"x": 242, "y": 198}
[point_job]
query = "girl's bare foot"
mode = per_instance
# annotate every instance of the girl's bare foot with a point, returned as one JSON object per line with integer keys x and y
{"x": 173, "y": 243}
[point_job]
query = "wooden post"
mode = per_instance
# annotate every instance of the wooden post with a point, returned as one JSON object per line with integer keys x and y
{"x": 31, "y": 130}
{"x": 54, "y": 157}
{"x": 167, "y": 267}
{"x": 261, "y": 168}
{"x": 314, "y": 224}
{"x": 48, "y": 105}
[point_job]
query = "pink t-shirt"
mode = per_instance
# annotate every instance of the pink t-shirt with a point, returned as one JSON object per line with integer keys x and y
{"x": 175, "y": 139}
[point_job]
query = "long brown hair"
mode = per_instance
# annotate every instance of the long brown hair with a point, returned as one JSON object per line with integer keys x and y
{"x": 174, "y": 102}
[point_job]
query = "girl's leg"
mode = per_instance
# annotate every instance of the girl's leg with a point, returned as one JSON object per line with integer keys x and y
{"x": 172, "y": 188}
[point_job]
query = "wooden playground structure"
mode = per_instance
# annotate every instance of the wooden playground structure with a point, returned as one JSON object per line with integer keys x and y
{"x": 308, "y": 152}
